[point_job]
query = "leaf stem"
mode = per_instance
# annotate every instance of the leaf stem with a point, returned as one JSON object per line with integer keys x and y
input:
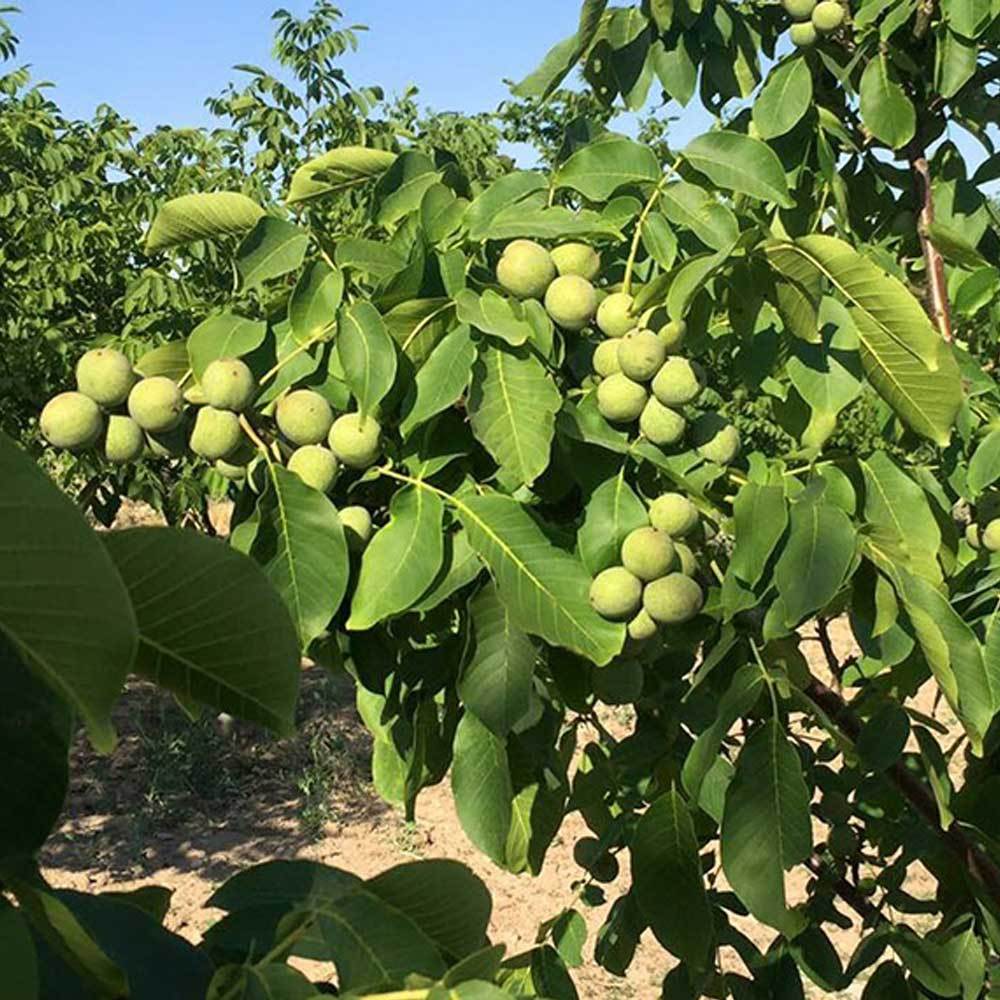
{"x": 644, "y": 215}
{"x": 304, "y": 346}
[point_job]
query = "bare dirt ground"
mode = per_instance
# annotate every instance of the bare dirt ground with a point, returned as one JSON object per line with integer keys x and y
{"x": 185, "y": 806}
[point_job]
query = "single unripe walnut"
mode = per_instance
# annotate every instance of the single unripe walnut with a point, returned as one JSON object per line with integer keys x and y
{"x": 71, "y": 420}
{"x": 641, "y": 354}
{"x": 156, "y": 404}
{"x": 315, "y": 465}
{"x": 677, "y": 383}
{"x": 660, "y": 424}
{"x": 673, "y": 514}
{"x": 606, "y": 358}
{"x": 228, "y": 384}
{"x": 355, "y": 441}
{"x": 686, "y": 561}
{"x": 972, "y": 535}
{"x": 618, "y": 683}
{"x": 828, "y": 16}
{"x": 616, "y": 594}
{"x": 217, "y": 433}
{"x": 671, "y": 331}
{"x": 123, "y": 440}
{"x": 991, "y": 535}
{"x": 842, "y": 841}
{"x": 614, "y": 315}
{"x": 571, "y": 301}
{"x": 642, "y": 628}
{"x": 577, "y": 258}
{"x": 799, "y": 9}
{"x": 357, "y": 524}
{"x": 525, "y": 269}
{"x": 648, "y": 553}
{"x": 619, "y": 399}
{"x": 673, "y": 599}
{"x": 803, "y": 34}
{"x": 304, "y": 417}
{"x": 106, "y": 376}
{"x": 715, "y": 438}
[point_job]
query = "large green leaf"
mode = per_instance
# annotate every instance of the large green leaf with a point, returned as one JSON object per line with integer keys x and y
{"x": 62, "y": 602}
{"x": 338, "y": 170}
{"x": 503, "y": 193}
{"x": 495, "y": 315}
{"x": 203, "y": 216}
{"x": 885, "y": 108}
{"x": 401, "y": 188}
{"x": 740, "y": 163}
{"x": 441, "y": 380}
{"x": 545, "y": 588}
{"x": 785, "y": 97}
{"x": 367, "y": 355}
{"x": 665, "y": 854}
{"x": 272, "y": 248}
{"x": 984, "y": 466}
{"x": 904, "y": 358}
{"x": 401, "y": 561}
{"x": 301, "y": 546}
{"x": 223, "y": 336}
{"x": 211, "y": 627}
{"x": 17, "y": 955}
{"x": 419, "y": 325}
{"x": 761, "y": 515}
{"x": 712, "y": 222}
{"x": 497, "y": 677}
{"x": 766, "y": 826}
{"x": 598, "y": 170}
{"x": 169, "y": 360}
{"x": 613, "y": 511}
{"x": 312, "y": 309}
{"x": 539, "y": 222}
{"x": 512, "y": 407}
{"x": 459, "y": 568}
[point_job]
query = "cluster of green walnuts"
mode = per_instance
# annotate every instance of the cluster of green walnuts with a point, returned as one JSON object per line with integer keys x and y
{"x": 127, "y": 417}
{"x": 642, "y": 376}
{"x": 655, "y": 583}
{"x": 813, "y": 20}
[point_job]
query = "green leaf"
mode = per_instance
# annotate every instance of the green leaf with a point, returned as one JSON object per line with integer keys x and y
{"x": 968, "y": 18}
{"x": 765, "y": 826}
{"x": 272, "y": 248}
{"x": 598, "y": 170}
{"x": 211, "y": 627}
{"x": 62, "y": 602}
{"x": 659, "y": 240}
{"x": 17, "y": 956}
{"x": 481, "y": 785}
{"x": 205, "y": 216}
{"x": 169, "y": 360}
{"x": 545, "y": 588}
{"x": 698, "y": 210}
{"x": 761, "y": 514}
{"x": 937, "y": 774}
{"x": 370, "y": 257}
{"x": 441, "y": 212}
{"x": 512, "y": 408}
{"x": 885, "y": 108}
{"x": 495, "y": 315}
{"x": 367, "y": 354}
{"x": 502, "y": 194}
{"x": 785, "y": 97}
{"x": 312, "y": 309}
{"x": 460, "y": 567}
{"x": 984, "y": 466}
{"x": 338, "y": 170}
{"x": 441, "y": 381}
{"x": 569, "y": 935}
{"x": 401, "y": 561}
{"x": 558, "y": 222}
{"x": 904, "y": 358}
{"x": 613, "y": 511}
{"x": 419, "y": 325}
{"x": 301, "y": 547}
{"x": 223, "y": 336}
{"x": 883, "y": 738}
{"x": 665, "y": 853}
{"x": 740, "y": 163}
{"x": 496, "y": 681}
{"x": 926, "y": 961}
{"x": 690, "y": 278}
{"x": 401, "y": 188}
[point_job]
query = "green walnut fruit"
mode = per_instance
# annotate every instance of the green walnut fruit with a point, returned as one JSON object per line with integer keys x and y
{"x": 686, "y": 561}
{"x": 678, "y": 382}
{"x": 156, "y": 404}
{"x": 972, "y": 536}
{"x": 660, "y": 424}
{"x": 217, "y": 433}
{"x": 648, "y": 553}
{"x": 642, "y": 628}
{"x": 620, "y": 400}
{"x": 991, "y": 535}
{"x": 228, "y": 384}
{"x": 304, "y": 417}
{"x": 357, "y": 524}
{"x": 525, "y": 269}
{"x": 673, "y": 599}
{"x": 799, "y": 9}
{"x": 828, "y": 16}
{"x": 803, "y": 34}
{"x": 315, "y": 465}
{"x": 606, "y": 358}
{"x": 641, "y": 354}
{"x": 106, "y": 376}
{"x": 616, "y": 594}
{"x": 673, "y": 514}
{"x": 715, "y": 438}
{"x": 123, "y": 440}
{"x": 71, "y": 420}
{"x": 614, "y": 315}
{"x": 842, "y": 841}
{"x": 671, "y": 331}
{"x": 618, "y": 683}
{"x": 578, "y": 259}
{"x": 355, "y": 441}
{"x": 571, "y": 301}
